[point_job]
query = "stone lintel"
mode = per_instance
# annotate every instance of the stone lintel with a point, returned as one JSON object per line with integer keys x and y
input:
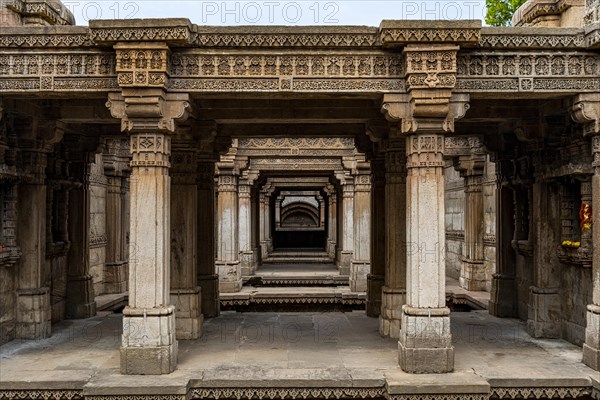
{"x": 398, "y": 33}
{"x": 172, "y": 31}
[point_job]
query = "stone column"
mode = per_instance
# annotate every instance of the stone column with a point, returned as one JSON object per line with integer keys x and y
{"x": 247, "y": 256}
{"x": 345, "y": 251}
{"x": 185, "y": 292}
{"x": 33, "y": 319}
{"x": 149, "y": 345}
{"x": 115, "y": 166}
{"x": 426, "y": 113}
{"x": 591, "y": 347}
{"x": 375, "y": 280}
{"x": 503, "y": 297}
{"x": 228, "y": 264}
{"x": 208, "y": 280}
{"x": 472, "y": 273}
{"x": 263, "y": 216}
{"x": 544, "y": 314}
{"x": 586, "y": 110}
{"x": 321, "y": 211}
{"x": 332, "y": 223}
{"x": 278, "y": 201}
{"x": 394, "y": 292}
{"x": 80, "y": 289}
{"x": 361, "y": 259}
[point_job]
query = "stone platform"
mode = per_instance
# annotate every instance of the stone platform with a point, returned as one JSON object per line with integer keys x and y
{"x": 296, "y": 355}
{"x": 300, "y": 274}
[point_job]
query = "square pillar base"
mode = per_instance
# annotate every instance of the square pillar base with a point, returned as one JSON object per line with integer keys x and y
{"x": 248, "y": 261}
{"x": 188, "y": 319}
{"x": 33, "y": 314}
{"x": 80, "y": 297}
{"x": 591, "y": 347}
{"x": 425, "y": 344}
{"x": 544, "y": 313}
{"x": 331, "y": 249}
{"x": 359, "y": 269}
{"x": 264, "y": 249}
{"x": 209, "y": 289}
{"x": 153, "y": 360}
{"x": 390, "y": 320}
{"x": 115, "y": 277}
{"x": 374, "y": 287}
{"x": 344, "y": 259}
{"x": 148, "y": 344}
{"x": 472, "y": 275}
{"x": 230, "y": 276}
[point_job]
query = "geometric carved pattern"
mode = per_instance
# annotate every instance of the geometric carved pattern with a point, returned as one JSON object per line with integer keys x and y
{"x": 288, "y": 39}
{"x": 287, "y": 393}
{"x": 529, "y": 38}
{"x": 46, "y": 394}
{"x": 539, "y": 392}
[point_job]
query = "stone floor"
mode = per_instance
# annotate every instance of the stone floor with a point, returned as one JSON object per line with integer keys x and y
{"x": 241, "y": 354}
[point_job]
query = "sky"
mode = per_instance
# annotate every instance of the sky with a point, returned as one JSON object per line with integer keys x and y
{"x": 278, "y": 12}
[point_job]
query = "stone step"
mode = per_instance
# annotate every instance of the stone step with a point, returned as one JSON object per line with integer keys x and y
{"x": 297, "y": 280}
{"x": 299, "y": 259}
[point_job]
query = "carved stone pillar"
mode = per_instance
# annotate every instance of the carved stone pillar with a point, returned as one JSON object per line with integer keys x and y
{"x": 544, "y": 314}
{"x": 208, "y": 279}
{"x": 80, "y": 289}
{"x": 228, "y": 263}
{"x": 426, "y": 113}
{"x": 263, "y": 217}
{"x": 472, "y": 273}
{"x": 115, "y": 167}
{"x": 185, "y": 292}
{"x": 247, "y": 255}
{"x": 394, "y": 292}
{"x": 345, "y": 252}
{"x": 586, "y": 110}
{"x": 375, "y": 279}
{"x": 503, "y": 297}
{"x": 332, "y": 223}
{"x": 33, "y": 318}
{"x": 361, "y": 258}
{"x": 149, "y": 345}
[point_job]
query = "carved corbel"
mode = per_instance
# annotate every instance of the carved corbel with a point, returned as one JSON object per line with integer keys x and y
{"x": 586, "y": 110}
{"x": 377, "y": 130}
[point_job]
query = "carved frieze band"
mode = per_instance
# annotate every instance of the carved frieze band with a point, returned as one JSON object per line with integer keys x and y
{"x": 301, "y": 164}
{"x": 529, "y": 37}
{"x": 295, "y": 146}
{"x": 184, "y": 64}
{"x": 527, "y": 72}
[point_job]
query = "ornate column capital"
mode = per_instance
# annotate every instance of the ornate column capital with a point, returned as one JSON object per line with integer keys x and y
{"x": 148, "y": 110}
{"x": 437, "y": 113}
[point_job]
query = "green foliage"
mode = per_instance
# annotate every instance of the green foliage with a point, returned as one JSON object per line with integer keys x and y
{"x": 500, "y": 12}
